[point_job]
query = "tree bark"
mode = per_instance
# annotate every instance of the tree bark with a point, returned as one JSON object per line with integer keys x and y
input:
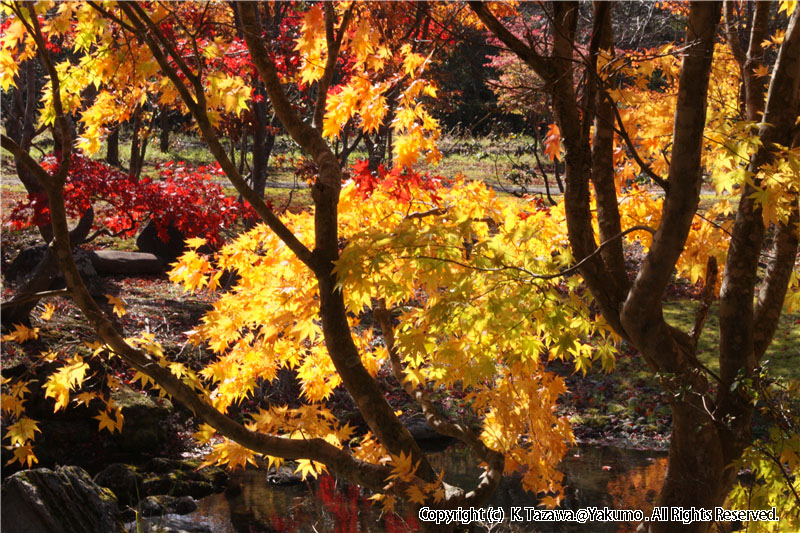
{"x": 603, "y": 157}
{"x": 163, "y": 138}
{"x": 17, "y": 310}
{"x": 371, "y": 402}
{"x": 112, "y": 151}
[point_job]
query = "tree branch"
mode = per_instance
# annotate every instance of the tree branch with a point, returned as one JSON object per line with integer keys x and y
{"x": 216, "y": 148}
{"x": 563, "y": 273}
{"x": 539, "y": 64}
{"x": 35, "y": 297}
{"x": 334, "y": 43}
{"x": 493, "y": 459}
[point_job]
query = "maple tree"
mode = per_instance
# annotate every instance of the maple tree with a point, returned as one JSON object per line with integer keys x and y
{"x": 469, "y": 293}
{"x": 297, "y": 308}
{"x": 181, "y": 196}
{"x": 752, "y": 158}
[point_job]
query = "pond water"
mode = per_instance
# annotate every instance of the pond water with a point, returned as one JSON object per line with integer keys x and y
{"x": 595, "y": 476}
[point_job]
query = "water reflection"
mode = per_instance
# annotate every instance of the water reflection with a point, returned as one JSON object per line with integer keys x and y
{"x": 594, "y": 476}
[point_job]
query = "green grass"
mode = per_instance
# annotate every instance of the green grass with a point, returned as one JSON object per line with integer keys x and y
{"x": 489, "y": 159}
{"x": 783, "y": 354}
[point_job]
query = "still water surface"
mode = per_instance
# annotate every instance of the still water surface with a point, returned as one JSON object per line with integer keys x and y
{"x": 595, "y": 476}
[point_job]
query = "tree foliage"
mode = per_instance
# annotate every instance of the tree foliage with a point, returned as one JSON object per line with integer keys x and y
{"x": 437, "y": 280}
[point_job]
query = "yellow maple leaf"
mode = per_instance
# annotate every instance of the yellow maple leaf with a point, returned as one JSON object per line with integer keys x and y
{"x": 788, "y": 6}
{"x": 415, "y": 494}
{"x": 111, "y": 424}
{"x": 22, "y": 431}
{"x": 119, "y": 305}
{"x": 403, "y": 467}
{"x": 195, "y": 242}
{"x": 21, "y": 334}
{"x": 231, "y": 453}
{"x": 47, "y": 313}
{"x": 761, "y": 71}
{"x": 67, "y": 378}
{"x": 85, "y": 397}
{"x": 23, "y": 454}
{"x": 12, "y": 404}
{"x": 306, "y": 467}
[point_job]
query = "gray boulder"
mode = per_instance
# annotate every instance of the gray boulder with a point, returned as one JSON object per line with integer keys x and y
{"x": 62, "y": 501}
{"x": 125, "y": 263}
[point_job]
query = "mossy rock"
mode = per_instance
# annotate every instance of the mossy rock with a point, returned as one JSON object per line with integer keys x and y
{"x": 64, "y": 500}
{"x": 123, "y": 480}
{"x": 171, "y": 477}
{"x": 146, "y": 427}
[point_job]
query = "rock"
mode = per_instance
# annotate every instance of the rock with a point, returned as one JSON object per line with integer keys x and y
{"x": 83, "y": 261}
{"x": 126, "y": 263}
{"x": 427, "y": 437}
{"x": 177, "y": 483}
{"x": 23, "y": 265}
{"x": 283, "y": 476}
{"x": 167, "y": 524}
{"x": 123, "y": 480}
{"x": 170, "y": 486}
{"x": 167, "y": 251}
{"x": 164, "y": 504}
{"x": 183, "y": 478}
{"x": 26, "y": 261}
{"x": 145, "y": 429}
{"x": 62, "y": 501}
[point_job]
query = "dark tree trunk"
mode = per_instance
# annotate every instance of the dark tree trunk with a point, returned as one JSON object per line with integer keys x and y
{"x": 18, "y": 309}
{"x": 263, "y": 142}
{"x": 112, "y": 152}
{"x": 20, "y": 126}
{"x": 163, "y": 138}
{"x": 134, "y": 163}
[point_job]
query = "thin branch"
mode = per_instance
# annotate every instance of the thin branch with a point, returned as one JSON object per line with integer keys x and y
{"x": 431, "y": 212}
{"x": 622, "y": 132}
{"x": 789, "y": 481}
{"x": 334, "y": 43}
{"x": 25, "y": 158}
{"x": 23, "y": 298}
{"x": 494, "y": 459}
{"x": 539, "y": 64}
{"x": 705, "y": 300}
{"x": 110, "y": 16}
{"x": 718, "y": 226}
{"x": 563, "y": 273}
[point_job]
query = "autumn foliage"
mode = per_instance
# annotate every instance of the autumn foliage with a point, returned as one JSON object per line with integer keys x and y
{"x": 434, "y": 280}
{"x": 186, "y": 198}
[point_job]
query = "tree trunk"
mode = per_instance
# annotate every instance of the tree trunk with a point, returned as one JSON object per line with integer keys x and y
{"x": 163, "y": 139}
{"x": 112, "y": 152}
{"x": 19, "y": 125}
{"x": 18, "y": 309}
{"x": 134, "y": 163}
{"x": 263, "y": 142}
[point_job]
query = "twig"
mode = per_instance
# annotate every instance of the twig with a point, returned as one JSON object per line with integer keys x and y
{"x": 566, "y": 272}
{"x": 23, "y": 298}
